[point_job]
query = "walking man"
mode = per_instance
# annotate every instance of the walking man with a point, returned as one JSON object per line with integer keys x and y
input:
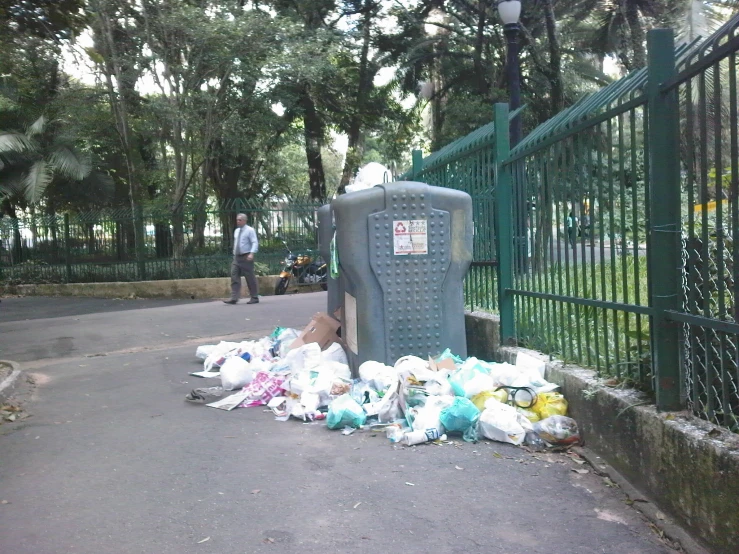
{"x": 572, "y": 230}
{"x": 245, "y": 246}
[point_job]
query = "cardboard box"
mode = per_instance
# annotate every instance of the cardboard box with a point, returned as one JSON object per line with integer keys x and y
{"x": 322, "y": 329}
{"x": 445, "y": 364}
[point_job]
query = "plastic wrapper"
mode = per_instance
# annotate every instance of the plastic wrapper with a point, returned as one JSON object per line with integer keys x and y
{"x": 263, "y": 388}
{"x": 460, "y": 416}
{"x": 531, "y": 415}
{"x": 503, "y": 423}
{"x": 549, "y": 404}
{"x": 345, "y": 412}
{"x": 558, "y": 430}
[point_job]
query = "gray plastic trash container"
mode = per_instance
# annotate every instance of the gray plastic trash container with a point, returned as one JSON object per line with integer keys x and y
{"x": 325, "y": 234}
{"x": 404, "y": 249}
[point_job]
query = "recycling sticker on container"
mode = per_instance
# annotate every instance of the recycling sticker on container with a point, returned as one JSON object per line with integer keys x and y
{"x": 410, "y": 237}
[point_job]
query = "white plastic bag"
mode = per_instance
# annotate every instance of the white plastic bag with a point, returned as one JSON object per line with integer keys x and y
{"x": 203, "y": 351}
{"x": 502, "y": 423}
{"x": 428, "y": 416}
{"x": 219, "y": 354}
{"x": 236, "y": 373}
{"x": 480, "y": 382}
{"x": 504, "y": 374}
{"x": 304, "y": 357}
{"x": 377, "y": 375}
{"x": 335, "y": 353}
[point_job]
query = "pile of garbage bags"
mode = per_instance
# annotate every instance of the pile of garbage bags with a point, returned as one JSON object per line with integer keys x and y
{"x": 414, "y": 400}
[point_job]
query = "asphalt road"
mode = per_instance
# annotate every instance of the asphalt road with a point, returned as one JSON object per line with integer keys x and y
{"x": 112, "y": 460}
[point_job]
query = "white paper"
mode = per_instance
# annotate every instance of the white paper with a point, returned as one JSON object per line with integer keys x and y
{"x": 206, "y": 373}
{"x": 230, "y": 402}
{"x": 410, "y": 237}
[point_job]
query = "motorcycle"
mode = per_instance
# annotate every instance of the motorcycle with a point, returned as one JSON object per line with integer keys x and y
{"x": 303, "y": 268}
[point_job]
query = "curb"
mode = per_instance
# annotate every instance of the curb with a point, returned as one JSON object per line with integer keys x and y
{"x": 7, "y": 386}
{"x": 644, "y": 504}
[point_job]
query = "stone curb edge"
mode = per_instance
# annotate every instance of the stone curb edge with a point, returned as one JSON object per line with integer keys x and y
{"x": 643, "y": 504}
{"x": 7, "y": 386}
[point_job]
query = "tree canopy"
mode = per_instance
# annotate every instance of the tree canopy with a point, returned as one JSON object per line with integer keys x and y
{"x": 192, "y": 102}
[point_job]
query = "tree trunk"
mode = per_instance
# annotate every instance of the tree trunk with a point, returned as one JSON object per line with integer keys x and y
{"x": 555, "y": 60}
{"x": 313, "y": 132}
{"x": 636, "y": 31}
{"x": 355, "y": 150}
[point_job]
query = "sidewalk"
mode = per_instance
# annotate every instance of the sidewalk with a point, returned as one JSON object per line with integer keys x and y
{"x": 113, "y": 460}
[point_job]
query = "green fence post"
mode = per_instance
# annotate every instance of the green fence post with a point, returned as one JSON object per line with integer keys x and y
{"x": 140, "y": 229}
{"x": 664, "y": 252}
{"x": 504, "y": 224}
{"x": 67, "y": 249}
{"x": 417, "y": 167}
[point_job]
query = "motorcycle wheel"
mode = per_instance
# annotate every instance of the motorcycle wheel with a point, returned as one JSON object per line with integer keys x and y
{"x": 281, "y": 286}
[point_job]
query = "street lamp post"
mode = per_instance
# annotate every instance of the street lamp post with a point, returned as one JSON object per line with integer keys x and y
{"x": 510, "y": 12}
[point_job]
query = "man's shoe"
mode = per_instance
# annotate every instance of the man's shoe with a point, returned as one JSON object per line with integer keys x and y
{"x": 232, "y": 301}
{"x": 253, "y": 301}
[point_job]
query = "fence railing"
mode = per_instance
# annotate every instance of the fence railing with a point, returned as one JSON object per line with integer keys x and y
{"x": 149, "y": 244}
{"x": 610, "y": 227}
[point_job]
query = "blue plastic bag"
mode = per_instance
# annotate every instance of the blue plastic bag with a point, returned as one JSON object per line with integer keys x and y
{"x": 460, "y": 416}
{"x": 343, "y": 412}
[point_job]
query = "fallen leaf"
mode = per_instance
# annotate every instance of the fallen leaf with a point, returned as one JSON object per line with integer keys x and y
{"x": 256, "y": 491}
{"x": 660, "y": 516}
{"x": 714, "y": 433}
{"x": 609, "y": 483}
{"x": 204, "y": 540}
{"x": 457, "y": 467}
{"x": 366, "y": 538}
{"x": 410, "y": 484}
{"x": 670, "y": 417}
{"x": 497, "y": 455}
{"x": 581, "y": 471}
{"x": 356, "y": 505}
{"x": 269, "y": 540}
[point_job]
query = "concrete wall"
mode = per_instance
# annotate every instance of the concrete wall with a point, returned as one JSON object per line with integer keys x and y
{"x": 177, "y": 288}
{"x": 669, "y": 457}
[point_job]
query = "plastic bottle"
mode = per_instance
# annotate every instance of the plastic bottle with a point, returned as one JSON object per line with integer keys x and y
{"x": 419, "y": 437}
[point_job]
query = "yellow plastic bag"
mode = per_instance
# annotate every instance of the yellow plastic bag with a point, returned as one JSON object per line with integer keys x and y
{"x": 479, "y": 399}
{"x": 549, "y": 404}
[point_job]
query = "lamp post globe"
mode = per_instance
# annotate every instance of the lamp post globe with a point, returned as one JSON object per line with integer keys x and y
{"x": 509, "y": 11}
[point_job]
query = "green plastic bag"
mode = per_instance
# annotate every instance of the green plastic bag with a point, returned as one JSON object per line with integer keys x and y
{"x": 345, "y": 412}
{"x": 460, "y": 416}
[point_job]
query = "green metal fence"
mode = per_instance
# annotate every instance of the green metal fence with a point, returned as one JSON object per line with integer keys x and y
{"x": 467, "y": 165}
{"x": 150, "y": 244}
{"x": 609, "y": 229}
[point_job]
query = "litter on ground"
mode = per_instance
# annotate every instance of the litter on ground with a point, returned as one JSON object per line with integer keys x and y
{"x": 414, "y": 401}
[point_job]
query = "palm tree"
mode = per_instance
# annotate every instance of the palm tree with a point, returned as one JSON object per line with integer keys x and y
{"x": 30, "y": 160}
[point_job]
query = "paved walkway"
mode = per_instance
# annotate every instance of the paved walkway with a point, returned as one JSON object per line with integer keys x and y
{"x": 113, "y": 460}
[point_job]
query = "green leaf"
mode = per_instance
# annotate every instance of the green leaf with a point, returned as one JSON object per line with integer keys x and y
{"x": 70, "y": 163}
{"x": 15, "y": 142}
{"x": 36, "y": 181}
{"x": 37, "y": 127}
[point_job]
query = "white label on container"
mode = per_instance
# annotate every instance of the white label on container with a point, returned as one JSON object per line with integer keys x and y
{"x": 410, "y": 237}
{"x": 350, "y": 322}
